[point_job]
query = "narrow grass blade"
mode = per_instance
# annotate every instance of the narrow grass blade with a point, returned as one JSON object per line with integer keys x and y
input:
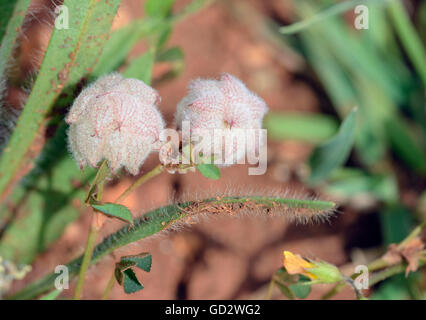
{"x": 309, "y": 127}
{"x": 333, "y": 153}
{"x": 70, "y": 55}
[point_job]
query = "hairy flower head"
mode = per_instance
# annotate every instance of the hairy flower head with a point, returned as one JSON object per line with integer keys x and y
{"x": 226, "y": 105}
{"x": 115, "y": 119}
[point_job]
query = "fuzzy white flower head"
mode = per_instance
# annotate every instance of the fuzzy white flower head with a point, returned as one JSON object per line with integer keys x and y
{"x": 225, "y": 104}
{"x": 115, "y": 119}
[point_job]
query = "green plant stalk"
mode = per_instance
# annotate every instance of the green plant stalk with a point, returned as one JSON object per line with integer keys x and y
{"x": 386, "y": 270}
{"x": 91, "y": 241}
{"x": 109, "y": 287}
{"x": 270, "y": 291}
{"x": 156, "y": 221}
{"x": 409, "y": 37}
{"x": 90, "y": 245}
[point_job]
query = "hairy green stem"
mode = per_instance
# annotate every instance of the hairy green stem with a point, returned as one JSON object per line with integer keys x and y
{"x": 382, "y": 266}
{"x": 165, "y": 218}
{"x": 91, "y": 240}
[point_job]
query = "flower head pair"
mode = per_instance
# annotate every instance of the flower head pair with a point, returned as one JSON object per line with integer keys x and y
{"x": 117, "y": 119}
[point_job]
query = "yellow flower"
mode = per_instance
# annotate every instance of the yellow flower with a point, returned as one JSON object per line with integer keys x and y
{"x": 295, "y": 264}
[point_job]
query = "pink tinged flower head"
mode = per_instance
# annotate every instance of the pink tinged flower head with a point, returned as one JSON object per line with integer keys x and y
{"x": 115, "y": 119}
{"x": 225, "y": 104}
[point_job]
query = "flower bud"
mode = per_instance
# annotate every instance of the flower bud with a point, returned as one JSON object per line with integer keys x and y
{"x": 115, "y": 119}
{"x": 317, "y": 271}
{"x": 224, "y": 104}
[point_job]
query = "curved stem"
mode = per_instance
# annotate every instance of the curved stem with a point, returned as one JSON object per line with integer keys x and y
{"x": 109, "y": 287}
{"x": 93, "y": 234}
{"x": 381, "y": 264}
{"x": 91, "y": 241}
{"x": 271, "y": 287}
{"x": 150, "y": 174}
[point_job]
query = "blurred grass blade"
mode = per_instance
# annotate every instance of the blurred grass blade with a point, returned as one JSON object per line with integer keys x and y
{"x": 70, "y": 55}
{"x": 120, "y": 44}
{"x": 333, "y": 153}
{"x": 43, "y": 203}
{"x": 170, "y": 55}
{"x": 51, "y": 295}
{"x": 353, "y": 53}
{"x": 124, "y": 39}
{"x": 409, "y": 38}
{"x": 141, "y": 67}
{"x": 405, "y": 146}
{"x": 12, "y": 14}
{"x": 350, "y": 183}
{"x": 396, "y": 223}
{"x": 6, "y": 11}
{"x": 309, "y": 127}
{"x": 324, "y": 14}
{"x": 158, "y": 9}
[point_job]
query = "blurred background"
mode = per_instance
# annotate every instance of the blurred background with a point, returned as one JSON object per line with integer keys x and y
{"x": 310, "y": 79}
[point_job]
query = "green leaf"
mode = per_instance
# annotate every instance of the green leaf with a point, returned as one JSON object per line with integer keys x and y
{"x": 301, "y": 290}
{"x": 285, "y": 290}
{"x": 141, "y": 67}
{"x": 208, "y": 170}
{"x": 100, "y": 177}
{"x": 334, "y": 153}
{"x": 158, "y": 9}
{"x": 125, "y": 275}
{"x": 131, "y": 283}
{"x": 115, "y": 210}
{"x": 120, "y": 267}
{"x": 142, "y": 261}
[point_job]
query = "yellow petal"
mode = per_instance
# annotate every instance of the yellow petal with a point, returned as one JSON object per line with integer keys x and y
{"x": 295, "y": 264}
